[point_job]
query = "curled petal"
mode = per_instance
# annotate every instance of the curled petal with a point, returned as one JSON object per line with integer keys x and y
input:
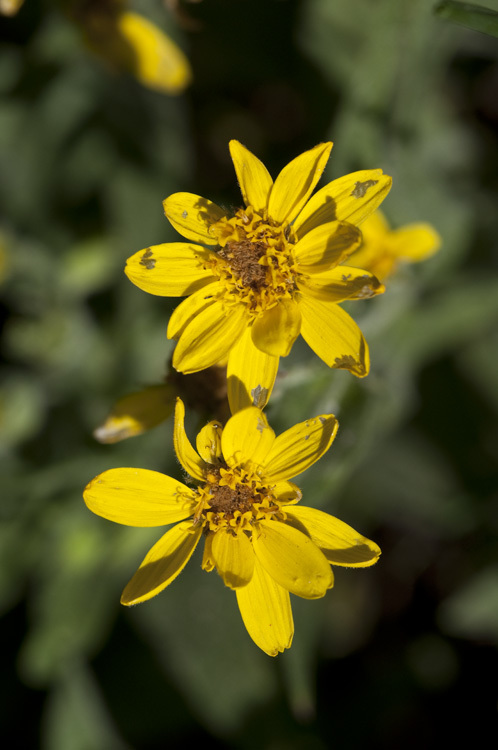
{"x": 139, "y": 497}
{"x": 292, "y": 559}
{"x": 277, "y": 329}
{"x": 334, "y": 336}
{"x": 266, "y": 612}
{"x": 340, "y": 283}
{"x": 208, "y": 337}
{"x": 254, "y": 179}
{"x": 174, "y": 269}
{"x": 350, "y": 198}
{"x": 296, "y": 182}
{"x": 187, "y": 456}
{"x": 250, "y": 374}
{"x": 296, "y": 449}
{"x": 163, "y": 563}
{"x": 247, "y": 437}
{"x": 192, "y": 216}
{"x": 209, "y": 442}
{"x": 340, "y": 543}
{"x": 233, "y": 556}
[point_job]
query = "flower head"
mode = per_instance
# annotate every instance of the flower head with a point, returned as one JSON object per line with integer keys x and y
{"x": 262, "y": 544}
{"x": 266, "y": 273}
{"x": 384, "y": 248}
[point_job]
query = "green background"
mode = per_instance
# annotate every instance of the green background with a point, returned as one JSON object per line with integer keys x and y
{"x": 400, "y": 655}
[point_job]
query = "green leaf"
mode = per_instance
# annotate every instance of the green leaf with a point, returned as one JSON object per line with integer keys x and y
{"x": 473, "y": 16}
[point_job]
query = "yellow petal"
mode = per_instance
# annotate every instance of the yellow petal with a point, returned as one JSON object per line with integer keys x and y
{"x": 350, "y": 198}
{"x": 296, "y": 449}
{"x": 247, "y": 437}
{"x": 170, "y": 270}
{"x": 375, "y": 227}
{"x": 277, "y": 329}
{"x": 136, "y": 413}
{"x": 190, "y": 307}
{"x": 233, "y": 556}
{"x": 150, "y": 55}
{"x": 209, "y": 442}
{"x": 187, "y": 456}
{"x": 139, "y": 497}
{"x": 340, "y": 283}
{"x": 266, "y": 612}
{"x": 208, "y": 337}
{"x": 251, "y": 374}
{"x": 292, "y": 559}
{"x": 327, "y": 245}
{"x": 296, "y": 182}
{"x": 192, "y": 216}
{"x": 340, "y": 543}
{"x": 254, "y": 179}
{"x": 334, "y": 336}
{"x": 415, "y": 242}
{"x": 286, "y": 492}
{"x": 10, "y": 7}
{"x": 163, "y": 563}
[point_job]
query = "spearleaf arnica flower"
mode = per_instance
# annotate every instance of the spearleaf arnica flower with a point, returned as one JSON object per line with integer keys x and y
{"x": 266, "y": 273}
{"x": 262, "y": 544}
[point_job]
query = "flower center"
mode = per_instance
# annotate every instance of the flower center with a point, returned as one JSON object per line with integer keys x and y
{"x": 255, "y": 260}
{"x": 233, "y": 498}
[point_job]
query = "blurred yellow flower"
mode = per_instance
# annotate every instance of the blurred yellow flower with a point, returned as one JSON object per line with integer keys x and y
{"x": 262, "y": 545}
{"x": 10, "y": 7}
{"x": 137, "y": 412}
{"x": 129, "y": 42}
{"x": 269, "y": 272}
{"x": 383, "y": 248}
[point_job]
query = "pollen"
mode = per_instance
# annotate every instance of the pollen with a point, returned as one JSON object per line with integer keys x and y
{"x": 254, "y": 260}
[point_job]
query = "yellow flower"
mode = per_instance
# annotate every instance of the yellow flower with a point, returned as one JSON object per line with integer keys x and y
{"x": 383, "y": 248}
{"x": 143, "y": 410}
{"x": 269, "y": 272}
{"x": 261, "y": 543}
{"x": 131, "y": 43}
{"x": 10, "y": 7}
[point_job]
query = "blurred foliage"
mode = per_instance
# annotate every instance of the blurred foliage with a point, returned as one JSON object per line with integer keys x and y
{"x": 86, "y": 157}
